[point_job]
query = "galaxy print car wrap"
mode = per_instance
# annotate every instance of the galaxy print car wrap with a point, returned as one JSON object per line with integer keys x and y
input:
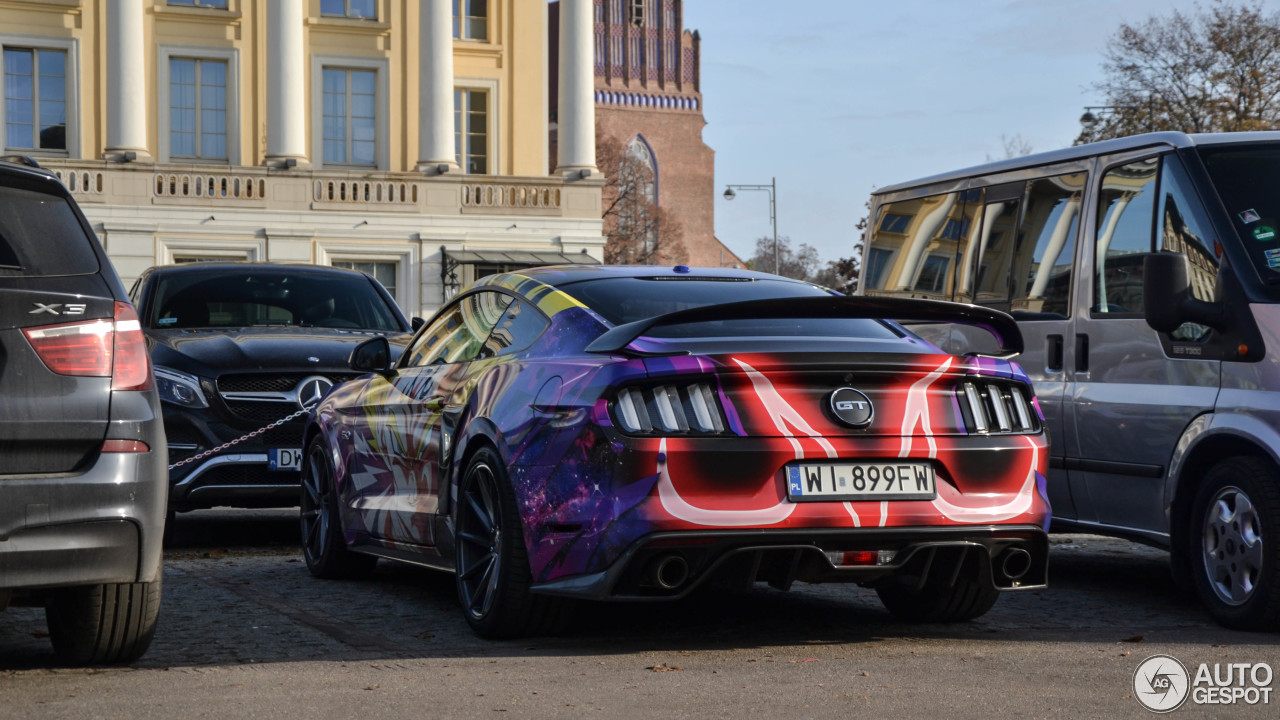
{"x": 648, "y": 456}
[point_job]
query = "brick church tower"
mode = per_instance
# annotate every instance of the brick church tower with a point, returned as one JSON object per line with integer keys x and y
{"x": 648, "y": 91}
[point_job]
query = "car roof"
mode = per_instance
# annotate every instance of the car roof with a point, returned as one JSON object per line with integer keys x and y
{"x": 1088, "y": 150}
{"x": 254, "y": 268}
{"x": 559, "y": 275}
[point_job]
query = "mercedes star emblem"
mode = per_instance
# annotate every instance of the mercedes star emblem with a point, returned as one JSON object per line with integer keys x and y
{"x": 312, "y": 390}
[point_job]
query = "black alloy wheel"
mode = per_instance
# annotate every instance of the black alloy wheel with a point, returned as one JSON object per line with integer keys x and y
{"x": 323, "y": 545}
{"x": 493, "y": 577}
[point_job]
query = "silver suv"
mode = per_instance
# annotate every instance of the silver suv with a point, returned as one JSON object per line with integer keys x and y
{"x": 82, "y": 448}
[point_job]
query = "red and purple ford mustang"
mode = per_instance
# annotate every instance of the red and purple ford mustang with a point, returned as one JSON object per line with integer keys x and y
{"x": 631, "y": 433}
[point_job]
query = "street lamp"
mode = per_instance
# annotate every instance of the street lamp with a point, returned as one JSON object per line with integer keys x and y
{"x": 772, "y": 189}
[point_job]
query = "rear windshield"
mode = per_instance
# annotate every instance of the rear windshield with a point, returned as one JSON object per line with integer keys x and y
{"x": 40, "y": 235}
{"x": 624, "y": 300}
{"x": 1246, "y": 178}
{"x": 230, "y": 297}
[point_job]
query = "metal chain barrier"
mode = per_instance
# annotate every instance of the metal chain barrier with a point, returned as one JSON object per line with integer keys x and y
{"x": 240, "y": 439}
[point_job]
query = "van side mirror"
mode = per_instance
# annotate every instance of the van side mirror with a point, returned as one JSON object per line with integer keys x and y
{"x": 372, "y": 355}
{"x": 1167, "y": 299}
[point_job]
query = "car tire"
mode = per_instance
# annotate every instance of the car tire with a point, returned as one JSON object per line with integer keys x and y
{"x": 970, "y": 596}
{"x": 1235, "y": 531}
{"x": 491, "y": 563}
{"x": 323, "y": 546}
{"x": 102, "y": 624}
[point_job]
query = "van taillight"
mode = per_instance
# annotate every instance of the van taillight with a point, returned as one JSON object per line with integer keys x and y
{"x": 97, "y": 348}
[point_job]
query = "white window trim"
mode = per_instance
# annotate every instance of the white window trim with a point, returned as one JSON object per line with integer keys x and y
{"x": 492, "y": 146}
{"x": 382, "y": 67}
{"x": 250, "y": 250}
{"x": 406, "y": 295}
{"x": 41, "y": 42}
{"x": 231, "y": 56}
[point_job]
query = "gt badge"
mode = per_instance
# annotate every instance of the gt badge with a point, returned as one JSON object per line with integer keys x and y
{"x": 851, "y": 407}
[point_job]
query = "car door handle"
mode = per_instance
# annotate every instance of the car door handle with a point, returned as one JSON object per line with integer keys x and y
{"x": 1053, "y": 352}
{"x": 1082, "y": 353}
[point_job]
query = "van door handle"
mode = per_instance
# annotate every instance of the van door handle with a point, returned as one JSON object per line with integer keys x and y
{"x": 1053, "y": 353}
{"x": 1082, "y": 353}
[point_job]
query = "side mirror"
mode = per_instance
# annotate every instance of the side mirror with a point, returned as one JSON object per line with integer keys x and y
{"x": 1167, "y": 299}
{"x": 372, "y": 355}
{"x": 416, "y": 323}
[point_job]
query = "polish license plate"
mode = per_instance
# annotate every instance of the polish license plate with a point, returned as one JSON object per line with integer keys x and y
{"x": 284, "y": 459}
{"x": 859, "y": 481}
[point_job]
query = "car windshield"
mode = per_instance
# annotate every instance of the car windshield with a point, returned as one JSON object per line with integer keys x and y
{"x": 1246, "y": 177}
{"x": 236, "y": 297}
{"x": 628, "y": 299}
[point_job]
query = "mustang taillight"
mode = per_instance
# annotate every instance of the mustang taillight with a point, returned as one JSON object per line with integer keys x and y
{"x": 995, "y": 407}
{"x": 686, "y": 408}
{"x": 97, "y": 348}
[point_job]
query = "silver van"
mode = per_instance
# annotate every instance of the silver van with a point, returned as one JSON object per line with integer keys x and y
{"x": 1144, "y": 273}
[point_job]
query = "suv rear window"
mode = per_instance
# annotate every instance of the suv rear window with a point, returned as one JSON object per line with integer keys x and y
{"x": 40, "y": 235}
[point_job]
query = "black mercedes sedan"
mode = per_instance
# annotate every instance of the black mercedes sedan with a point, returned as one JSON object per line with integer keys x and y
{"x": 241, "y": 352}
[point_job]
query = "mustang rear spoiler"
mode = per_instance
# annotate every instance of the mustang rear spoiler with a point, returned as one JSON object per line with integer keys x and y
{"x": 1002, "y": 326}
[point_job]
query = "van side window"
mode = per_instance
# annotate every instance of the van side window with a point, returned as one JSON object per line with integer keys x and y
{"x": 1046, "y": 246}
{"x": 1184, "y": 228}
{"x": 1125, "y": 237}
{"x": 914, "y": 246}
{"x": 989, "y": 254}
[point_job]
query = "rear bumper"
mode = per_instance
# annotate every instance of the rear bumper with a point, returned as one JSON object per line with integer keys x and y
{"x": 102, "y": 525}
{"x": 782, "y": 557}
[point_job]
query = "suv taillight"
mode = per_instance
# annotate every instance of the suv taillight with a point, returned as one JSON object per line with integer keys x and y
{"x": 132, "y": 367}
{"x": 97, "y": 348}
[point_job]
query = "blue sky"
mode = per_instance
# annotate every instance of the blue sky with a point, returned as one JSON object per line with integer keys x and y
{"x": 836, "y": 97}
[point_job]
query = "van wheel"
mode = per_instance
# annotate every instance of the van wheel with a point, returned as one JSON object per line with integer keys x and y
{"x": 323, "y": 546}
{"x": 101, "y": 624}
{"x": 492, "y": 565}
{"x": 971, "y": 596}
{"x": 1235, "y": 539}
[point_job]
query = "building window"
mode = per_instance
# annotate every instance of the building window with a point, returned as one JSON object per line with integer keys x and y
{"x": 471, "y": 130}
{"x": 471, "y": 19}
{"x": 350, "y": 117}
{"x": 198, "y": 109}
{"x": 637, "y": 13}
{"x": 877, "y": 262}
{"x": 35, "y": 93}
{"x": 933, "y": 276}
{"x": 895, "y": 223}
{"x": 362, "y": 9}
{"x": 380, "y": 270}
{"x": 219, "y": 4}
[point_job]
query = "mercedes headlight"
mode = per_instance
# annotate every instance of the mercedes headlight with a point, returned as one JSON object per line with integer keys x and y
{"x": 179, "y": 388}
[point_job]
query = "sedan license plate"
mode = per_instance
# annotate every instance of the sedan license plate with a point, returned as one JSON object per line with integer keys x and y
{"x": 284, "y": 459}
{"x": 859, "y": 481}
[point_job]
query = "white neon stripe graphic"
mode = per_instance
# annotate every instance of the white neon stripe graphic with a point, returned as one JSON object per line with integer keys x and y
{"x": 677, "y": 507}
{"x": 1012, "y": 509}
{"x": 917, "y": 412}
{"x": 782, "y": 413}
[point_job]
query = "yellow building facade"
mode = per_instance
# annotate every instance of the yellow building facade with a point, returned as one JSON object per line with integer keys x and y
{"x": 406, "y": 138}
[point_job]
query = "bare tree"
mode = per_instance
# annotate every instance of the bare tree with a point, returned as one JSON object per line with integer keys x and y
{"x": 1215, "y": 71}
{"x": 801, "y": 264}
{"x": 637, "y": 230}
{"x": 1014, "y": 146}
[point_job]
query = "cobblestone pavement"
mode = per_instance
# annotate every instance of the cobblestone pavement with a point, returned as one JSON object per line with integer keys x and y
{"x": 243, "y": 622}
